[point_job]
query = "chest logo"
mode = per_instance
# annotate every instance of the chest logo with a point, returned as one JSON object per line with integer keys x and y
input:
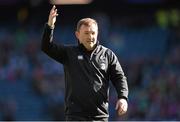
{"x": 80, "y": 57}
{"x": 103, "y": 66}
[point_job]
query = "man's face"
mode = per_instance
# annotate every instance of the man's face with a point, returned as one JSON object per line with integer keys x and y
{"x": 87, "y": 35}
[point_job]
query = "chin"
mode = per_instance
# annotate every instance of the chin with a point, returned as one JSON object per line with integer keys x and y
{"x": 91, "y": 47}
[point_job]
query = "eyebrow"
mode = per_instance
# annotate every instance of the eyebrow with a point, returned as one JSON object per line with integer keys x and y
{"x": 88, "y": 31}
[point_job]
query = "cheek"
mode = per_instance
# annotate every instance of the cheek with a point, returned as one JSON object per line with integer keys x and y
{"x": 80, "y": 38}
{"x": 95, "y": 37}
{"x": 80, "y": 41}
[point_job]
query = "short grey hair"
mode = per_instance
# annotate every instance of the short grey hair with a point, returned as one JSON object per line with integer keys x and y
{"x": 86, "y": 22}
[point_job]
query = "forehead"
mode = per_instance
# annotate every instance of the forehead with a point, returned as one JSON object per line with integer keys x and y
{"x": 89, "y": 27}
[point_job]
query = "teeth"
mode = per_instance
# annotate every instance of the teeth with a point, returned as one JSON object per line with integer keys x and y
{"x": 90, "y": 41}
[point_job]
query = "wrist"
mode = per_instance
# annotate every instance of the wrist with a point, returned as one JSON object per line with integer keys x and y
{"x": 123, "y": 97}
{"x": 51, "y": 25}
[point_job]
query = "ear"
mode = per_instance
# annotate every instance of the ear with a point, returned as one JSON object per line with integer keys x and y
{"x": 77, "y": 34}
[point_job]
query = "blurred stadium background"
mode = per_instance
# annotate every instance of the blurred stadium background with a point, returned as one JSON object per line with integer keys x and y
{"x": 145, "y": 34}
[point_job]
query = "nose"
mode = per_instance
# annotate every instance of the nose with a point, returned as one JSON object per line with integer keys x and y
{"x": 90, "y": 36}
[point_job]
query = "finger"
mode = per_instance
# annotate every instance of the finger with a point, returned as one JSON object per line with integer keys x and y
{"x": 121, "y": 111}
{"x": 52, "y": 9}
{"x": 116, "y": 107}
{"x": 54, "y": 12}
{"x": 55, "y": 15}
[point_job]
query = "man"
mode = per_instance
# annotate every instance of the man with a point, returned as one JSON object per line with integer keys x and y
{"x": 88, "y": 69}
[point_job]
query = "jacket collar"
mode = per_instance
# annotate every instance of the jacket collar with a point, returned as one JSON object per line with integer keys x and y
{"x": 82, "y": 47}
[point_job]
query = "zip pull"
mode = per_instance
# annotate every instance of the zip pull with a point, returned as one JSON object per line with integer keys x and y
{"x": 92, "y": 54}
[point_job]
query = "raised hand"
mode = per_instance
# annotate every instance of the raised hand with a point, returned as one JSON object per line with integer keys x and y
{"x": 52, "y": 16}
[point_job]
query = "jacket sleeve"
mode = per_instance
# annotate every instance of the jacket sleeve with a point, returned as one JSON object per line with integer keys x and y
{"x": 117, "y": 77}
{"x": 57, "y": 52}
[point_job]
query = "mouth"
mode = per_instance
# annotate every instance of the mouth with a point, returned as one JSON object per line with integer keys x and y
{"x": 90, "y": 41}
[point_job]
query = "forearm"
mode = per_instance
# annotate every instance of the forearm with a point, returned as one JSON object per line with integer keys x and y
{"x": 57, "y": 52}
{"x": 121, "y": 87}
{"x": 47, "y": 38}
{"x": 118, "y": 77}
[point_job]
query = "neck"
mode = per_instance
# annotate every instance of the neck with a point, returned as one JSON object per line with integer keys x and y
{"x": 91, "y": 49}
{"x": 87, "y": 50}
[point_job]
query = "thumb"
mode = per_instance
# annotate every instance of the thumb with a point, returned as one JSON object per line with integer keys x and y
{"x": 116, "y": 106}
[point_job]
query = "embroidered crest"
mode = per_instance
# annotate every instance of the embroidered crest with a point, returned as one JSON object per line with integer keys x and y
{"x": 80, "y": 57}
{"x": 103, "y": 66}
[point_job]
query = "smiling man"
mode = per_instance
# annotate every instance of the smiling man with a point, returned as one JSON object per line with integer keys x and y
{"x": 86, "y": 33}
{"x": 88, "y": 69}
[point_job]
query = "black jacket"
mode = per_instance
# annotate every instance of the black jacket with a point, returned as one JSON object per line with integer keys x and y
{"x": 87, "y": 76}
